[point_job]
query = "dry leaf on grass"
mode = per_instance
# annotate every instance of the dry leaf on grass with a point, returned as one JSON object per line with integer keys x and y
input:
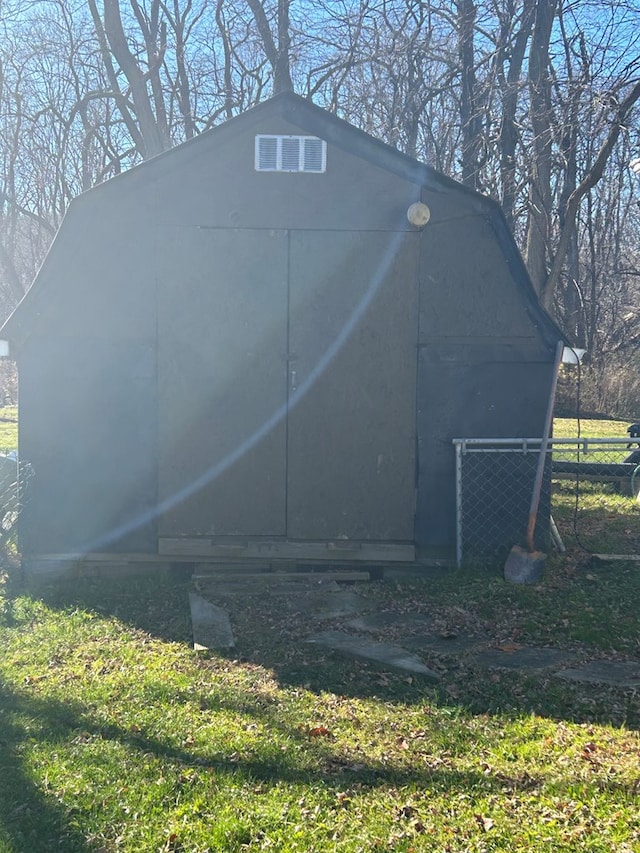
{"x": 319, "y": 731}
{"x": 508, "y": 647}
{"x": 485, "y": 823}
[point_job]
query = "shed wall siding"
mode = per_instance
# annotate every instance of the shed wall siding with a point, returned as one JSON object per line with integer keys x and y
{"x": 475, "y": 399}
{"x": 484, "y": 368}
{"x": 351, "y": 436}
{"x": 220, "y": 188}
{"x": 468, "y": 291}
{"x": 88, "y": 427}
{"x": 222, "y": 381}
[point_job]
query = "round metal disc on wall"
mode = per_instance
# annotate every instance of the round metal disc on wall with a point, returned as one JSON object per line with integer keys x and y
{"x": 418, "y": 214}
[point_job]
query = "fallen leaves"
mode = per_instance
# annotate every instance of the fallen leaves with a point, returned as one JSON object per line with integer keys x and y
{"x": 172, "y": 844}
{"x": 406, "y": 811}
{"x": 319, "y": 731}
{"x": 485, "y": 823}
{"x": 508, "y": 648}
{"x": 589, "y": 753}
{"x": 409, "y": 814}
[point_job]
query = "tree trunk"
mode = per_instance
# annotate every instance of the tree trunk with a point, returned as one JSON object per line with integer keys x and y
{"x": 278, "y": 55}
{"x": 152, "y": 137}
{"x": 470, "y": 122}
{"x": 509, "y": 133}
{"x": 540, "y": 194}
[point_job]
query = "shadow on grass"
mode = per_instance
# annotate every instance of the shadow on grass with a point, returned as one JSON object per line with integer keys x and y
{"x": 158, "y": 605}
{"x": 603, "y": 522}
{"x": 574, "y": 612}
{"x": 464, "y": 688}
{"x": 31, "y": 821}
{"x": 34, "y": 822}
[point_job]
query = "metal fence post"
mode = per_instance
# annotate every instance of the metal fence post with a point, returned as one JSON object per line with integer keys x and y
{"x": 458, "y": 503}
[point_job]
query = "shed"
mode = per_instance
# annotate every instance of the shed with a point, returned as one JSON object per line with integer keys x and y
{"x": 244, "y": 348}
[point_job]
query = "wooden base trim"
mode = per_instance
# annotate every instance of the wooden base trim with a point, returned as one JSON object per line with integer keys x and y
{"x": 337, "y": 551}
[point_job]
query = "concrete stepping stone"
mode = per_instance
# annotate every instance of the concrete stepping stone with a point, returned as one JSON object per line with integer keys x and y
{"x": 616, "y": 673}
{"x": 371, "y": 623}
{"x": 328, "y": 604}
{"x": 529, "y": 658}
{"x": 386, "y": 654}
{"x": 443, "y": 645}
{"x": 210, "y": 624}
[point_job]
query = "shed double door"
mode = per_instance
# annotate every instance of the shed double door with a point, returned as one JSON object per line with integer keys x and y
{"x": 286, "y": 384}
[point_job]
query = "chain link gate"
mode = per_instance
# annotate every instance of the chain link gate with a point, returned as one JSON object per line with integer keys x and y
{"x": 586, "y": 489}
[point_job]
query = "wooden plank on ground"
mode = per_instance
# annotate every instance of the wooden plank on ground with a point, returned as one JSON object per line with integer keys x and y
{"x": 338, "y": 551}
{"x": 617, "y": 558}
{"x": 292, "y": 576}
{"x": 103, "y": 557}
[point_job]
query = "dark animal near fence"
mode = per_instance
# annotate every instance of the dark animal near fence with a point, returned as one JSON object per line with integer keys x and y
{"x": 634, "y": 432}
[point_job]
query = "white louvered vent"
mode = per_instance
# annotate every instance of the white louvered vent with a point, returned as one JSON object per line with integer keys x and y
{"x": 290, "y": 153}
{"x": 267, "y": 153}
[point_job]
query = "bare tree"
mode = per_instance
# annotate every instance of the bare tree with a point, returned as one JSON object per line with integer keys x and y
{"x": 592, "y": 176}
{"x": 145, "y": 116}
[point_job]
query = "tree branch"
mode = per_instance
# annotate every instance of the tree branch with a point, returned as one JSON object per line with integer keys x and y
{"x": 588, "y": 182}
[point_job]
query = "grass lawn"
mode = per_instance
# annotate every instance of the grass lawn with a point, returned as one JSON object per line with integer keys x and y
{"x": 568, "y": 428}
{"x": 115, "y": 735}
{"x": 8, "y": 428}
{"x": 603, "y": 519}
